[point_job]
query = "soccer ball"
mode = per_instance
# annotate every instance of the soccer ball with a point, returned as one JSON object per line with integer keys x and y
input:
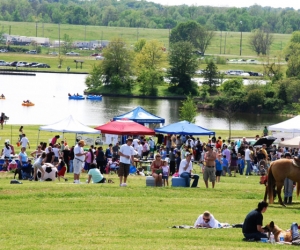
{"x": 50, "y": 173}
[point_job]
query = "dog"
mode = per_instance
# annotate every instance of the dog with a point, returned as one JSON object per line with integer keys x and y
{"x": 272, "y": 228}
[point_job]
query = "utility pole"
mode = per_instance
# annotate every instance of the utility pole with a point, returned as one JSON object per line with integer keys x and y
{"x": 9, "y": 31}
{"x": 59, "y": 39}
{"x": 137, "y": 33}
{"x": 241, "y": 23}
{"x": 43, "y": 30}
{"x": 221, "y": 43}
{"x": 225, "y": 42}
{"x": 36, "y": 29}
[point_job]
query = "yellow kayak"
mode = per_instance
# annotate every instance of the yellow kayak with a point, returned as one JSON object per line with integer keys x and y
{"x": 27, "y": 104}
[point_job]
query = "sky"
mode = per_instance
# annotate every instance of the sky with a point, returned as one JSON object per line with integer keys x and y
{"x": 233, "y": 3}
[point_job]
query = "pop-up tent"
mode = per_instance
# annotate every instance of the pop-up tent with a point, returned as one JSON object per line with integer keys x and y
{"x": 184, "y": 128}
{"x": 140, "y": 115}
{"x": 68, "y": 125}
{"x": 125, "y": 127}
{"x": 293, "y": 143}
{"x": 291, "y": 125}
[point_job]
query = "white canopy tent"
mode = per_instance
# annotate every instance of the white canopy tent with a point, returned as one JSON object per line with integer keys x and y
{"x": 293, "y": 143}
{"x": 291, "y": 125}
{"x": 69, "y": 125}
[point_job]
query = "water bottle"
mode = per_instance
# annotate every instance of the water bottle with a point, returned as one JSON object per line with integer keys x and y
{"x": 272, "y": 239}
{"x": 281, "y": 238}
{"x": 294, "y": 230}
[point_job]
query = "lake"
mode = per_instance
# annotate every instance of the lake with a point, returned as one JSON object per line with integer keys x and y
{"x": 49, "y": 93}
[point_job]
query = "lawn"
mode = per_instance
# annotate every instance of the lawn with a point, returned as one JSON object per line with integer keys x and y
{"x": 48, "y": 215}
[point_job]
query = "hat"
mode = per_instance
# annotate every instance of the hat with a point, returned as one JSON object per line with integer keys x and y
{"x": 81, "y": 142}
{"x": 187, "y": 154}
{"x": 7, "y": 141}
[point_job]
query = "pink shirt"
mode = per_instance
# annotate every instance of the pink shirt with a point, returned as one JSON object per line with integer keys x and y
{"x": 88, "y": 157}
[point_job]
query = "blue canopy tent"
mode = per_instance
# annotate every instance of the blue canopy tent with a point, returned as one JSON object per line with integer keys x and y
{"x": 141, "y": 116}
{"x": 184, "y": 128}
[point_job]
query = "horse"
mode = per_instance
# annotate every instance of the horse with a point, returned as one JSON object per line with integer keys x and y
{"x": 278, "y": 171}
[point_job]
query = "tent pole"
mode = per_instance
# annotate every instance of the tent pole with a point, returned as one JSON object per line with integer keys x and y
{"x": 37, "y": 142}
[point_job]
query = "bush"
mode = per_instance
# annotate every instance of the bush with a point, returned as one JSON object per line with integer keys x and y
{"x": 220, "y": 60}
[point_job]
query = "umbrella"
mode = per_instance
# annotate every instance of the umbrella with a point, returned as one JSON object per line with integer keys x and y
{"x": 184, "y": 128}
{"x": 125, "y": 127}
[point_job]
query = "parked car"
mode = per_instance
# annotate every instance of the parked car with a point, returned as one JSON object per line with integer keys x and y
{"x": 41, "y": 65}
{"x": 72, "y": 53}
{"x": 3, "y": 63}
{"x": 31, "y": 52}
{"x": 54, "y": 53}
{"x": 14, "y": 64}
{"x": 99, "y": 58}
{"x": 31, "y": 64}
{"x": 96, "y": 54}
{"x": 21, "y": 64}
{"x": 252, "y": 61}
{"x": 3, "y": 50}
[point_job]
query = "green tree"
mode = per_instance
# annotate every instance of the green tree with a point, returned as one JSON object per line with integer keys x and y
{"x": 210, "y": 75}
{"x": 193, "y": 32}
{"x": 260, "y": 41}
{"x": 188, "y": 110}
{"x": 66, "y": 44}
{"x": 149, "y": 62}
{"x": 183, "y": 64}
{"x": 138, "y": 46}
{"x": 94, "y": 80}
{"x": 117, "y": 62}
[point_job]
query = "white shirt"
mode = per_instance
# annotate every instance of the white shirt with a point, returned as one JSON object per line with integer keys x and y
{"x": 56, "y": 152}
{"x": 139, "y": 149}
{"x": 7, "y": 152}
{"x": 135, "y": 143}
{"x": 213, "y": 223}
{"x": 79, "y": 150}
{"x": 183, "y": 164}
{"x": 24, "y": 142}
{"x": 126, "y": 150}
{"x": 247, "y": 154}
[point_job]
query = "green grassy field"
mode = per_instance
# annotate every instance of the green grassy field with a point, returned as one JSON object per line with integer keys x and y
{"x": 62, "y": 215}
{"x": 48, "y": 215}
{"x": 131, "y": 35}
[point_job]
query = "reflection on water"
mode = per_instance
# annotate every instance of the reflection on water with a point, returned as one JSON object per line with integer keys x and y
{"x": 49, "y": 92}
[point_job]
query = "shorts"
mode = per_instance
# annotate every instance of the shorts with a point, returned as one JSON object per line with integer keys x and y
{"x": 55, "y": 159}
{"x": 218, "y": 172}
{"x": 165, "y": 177}
{"x": 209, "y": 173}
{"x": 62, "y": 171}
{"x": 123, "y": 169}
{"x": 37, "y": 166}
{"x": 77, "y": 166}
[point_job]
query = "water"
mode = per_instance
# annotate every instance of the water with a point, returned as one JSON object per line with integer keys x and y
{"x": 49, "y": 93}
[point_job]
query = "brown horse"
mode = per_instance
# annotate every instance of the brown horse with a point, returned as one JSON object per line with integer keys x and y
{"x": 278, "y": 171}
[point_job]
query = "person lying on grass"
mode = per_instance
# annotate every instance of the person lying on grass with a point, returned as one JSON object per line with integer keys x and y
{"x": 206, "y": 220}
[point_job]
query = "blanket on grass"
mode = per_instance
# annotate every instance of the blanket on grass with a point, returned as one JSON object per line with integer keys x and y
{"x": 222, "y": 225}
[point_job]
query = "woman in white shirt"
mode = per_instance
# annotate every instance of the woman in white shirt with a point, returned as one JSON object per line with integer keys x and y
{"x": 6, "y": 151}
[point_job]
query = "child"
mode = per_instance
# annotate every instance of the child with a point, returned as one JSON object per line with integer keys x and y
{"x": 224, "y": 165}
{"x": 5, "y": 165}
{"x": 218, "y": 167}
{"x": 61, "y": 168}
{"x": 177, "y": 160}
{"x": 113, "y": 165}
{"x": 38, "y": 165}
{"x": 27, "y": 171}
{"x": 165, "y": 173}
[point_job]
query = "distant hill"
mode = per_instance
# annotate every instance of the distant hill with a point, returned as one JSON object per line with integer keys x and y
{"x": 142, "y": 14}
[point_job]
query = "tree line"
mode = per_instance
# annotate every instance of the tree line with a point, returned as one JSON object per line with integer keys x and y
{"x": 129, "y": 13}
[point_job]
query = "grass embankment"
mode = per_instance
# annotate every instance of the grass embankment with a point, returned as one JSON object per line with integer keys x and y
{"x": 11, "y": 132}
{"x": 131, "y": 35}
{"x": 47, "y": 215}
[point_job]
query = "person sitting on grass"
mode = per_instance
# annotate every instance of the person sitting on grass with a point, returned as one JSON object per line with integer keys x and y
{"x": 95, "y": 175}
{"x": 206, "y": 220}
{"x": 252, "y": 226}
{"x": 61, "y": 168}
